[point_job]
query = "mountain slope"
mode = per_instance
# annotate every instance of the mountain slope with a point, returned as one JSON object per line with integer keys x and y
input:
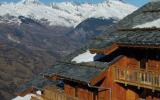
{"x": 90, "y": 28}
{"x": 66, "y": 13}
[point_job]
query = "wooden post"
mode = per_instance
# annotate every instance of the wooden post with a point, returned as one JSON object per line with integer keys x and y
{"x": 125, "y": 75}
{"x": 139, "y": 78}
{"x": 153, "y": 82}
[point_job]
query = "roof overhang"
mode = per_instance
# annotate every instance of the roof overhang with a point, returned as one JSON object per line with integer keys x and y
{"x": 105, "y": 51}
{"x": 57, "y": 77}
{"x": 98, "y": 78}
{"x": 116, "y": 46}
{"x": 26, "y": 91}
{"x": 147, "y": 46}
{"x": 92, "y": 81}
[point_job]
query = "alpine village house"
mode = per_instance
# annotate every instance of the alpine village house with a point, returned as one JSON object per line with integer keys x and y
{"x": 126, "y": 66}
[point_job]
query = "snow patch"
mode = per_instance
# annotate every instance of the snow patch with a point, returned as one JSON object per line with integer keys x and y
{"x": 26, "y": 97}
{"x": 39, "y": 92}
{"x": 155, "y": 23}
{"x": 13, "y": 39}
{"x": 84, "y": 57}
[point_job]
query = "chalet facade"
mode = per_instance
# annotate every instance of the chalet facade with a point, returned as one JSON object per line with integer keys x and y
{"x": 128, "y": 70}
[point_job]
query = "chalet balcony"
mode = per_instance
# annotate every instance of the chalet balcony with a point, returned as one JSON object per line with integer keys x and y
{"x": 137, "y": 77}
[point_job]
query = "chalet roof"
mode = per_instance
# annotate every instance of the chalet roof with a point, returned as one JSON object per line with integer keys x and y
{"x": 37, "y": 82}
{"x": 147, "y": 13}
{"x": 148, "y": 37}
{"x": 105, "y": 41}
{"x": 79, "y": 72}
{"x": 83, "y": 72}
{"x": 140, "y": 37}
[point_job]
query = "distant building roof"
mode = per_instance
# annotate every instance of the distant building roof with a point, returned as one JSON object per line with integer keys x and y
{"x": 37, "y": 82}
{"x": 83, "y": 72}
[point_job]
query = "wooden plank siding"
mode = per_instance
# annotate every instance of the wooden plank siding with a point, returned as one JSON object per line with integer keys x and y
{"x": 52, "y": 93}
{"x": 81, "y": 92}
{"x": 123, "y": 80}
{"x": 120, "y": 90}
{"x": 131, "y": 64}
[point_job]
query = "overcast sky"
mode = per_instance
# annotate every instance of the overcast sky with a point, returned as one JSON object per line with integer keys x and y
{"x": 134, "y": 2}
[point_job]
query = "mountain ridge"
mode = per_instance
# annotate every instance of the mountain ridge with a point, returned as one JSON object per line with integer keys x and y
{"x": 66, "y": 13}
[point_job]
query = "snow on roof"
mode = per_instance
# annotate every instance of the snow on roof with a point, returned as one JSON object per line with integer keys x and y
{"x": 154, "y": 23}
{"x": 26, "y": 97}
{"x": 84, "y": 57}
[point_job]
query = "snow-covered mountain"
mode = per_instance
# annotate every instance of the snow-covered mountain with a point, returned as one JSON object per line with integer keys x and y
{"x": 64, "y": 13}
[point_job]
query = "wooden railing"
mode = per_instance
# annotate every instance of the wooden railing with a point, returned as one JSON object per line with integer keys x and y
{"x": 51, "y": 93}
{"x": 36, "y": 97}
{"x": 138, "y": 77}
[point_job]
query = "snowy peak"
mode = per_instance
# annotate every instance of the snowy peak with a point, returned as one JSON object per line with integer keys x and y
{"x": 67, "y": 13}
{"x": 30, "y": 2}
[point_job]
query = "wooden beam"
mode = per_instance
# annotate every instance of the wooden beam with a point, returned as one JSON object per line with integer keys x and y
{"x": 138, "y": 46}
{"x": 98, "y": 78}
{"x": 111, "y": 49}
{"x": 23, "y": 93}
{"x": 105, "y": 51}
{"x": 98, "y": 51}
{"x": 67, "y": 78}
{"x": 138, "y": 85}
{"x": 139, "y": 29}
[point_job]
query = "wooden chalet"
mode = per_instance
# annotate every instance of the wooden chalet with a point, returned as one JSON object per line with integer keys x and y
{"x": 128, "y": 70}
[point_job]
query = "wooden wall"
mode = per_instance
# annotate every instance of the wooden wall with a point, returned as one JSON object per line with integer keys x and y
{"x": 79, "y": 91}
{"x": 131, "y": 59}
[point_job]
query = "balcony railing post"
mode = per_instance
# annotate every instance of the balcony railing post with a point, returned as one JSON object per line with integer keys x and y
{"x": 115, "y": 73}
{"x": 125, "y": 76}
{"x": 139, "y": 79}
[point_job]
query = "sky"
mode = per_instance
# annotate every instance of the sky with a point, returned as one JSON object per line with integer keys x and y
{"x": 134, "y": 2}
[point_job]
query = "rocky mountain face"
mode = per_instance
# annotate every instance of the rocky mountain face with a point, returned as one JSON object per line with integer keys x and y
{"x": 26, "y": 50}
{"x": 34, "y": 36}
{"x": 90, "y": 28}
